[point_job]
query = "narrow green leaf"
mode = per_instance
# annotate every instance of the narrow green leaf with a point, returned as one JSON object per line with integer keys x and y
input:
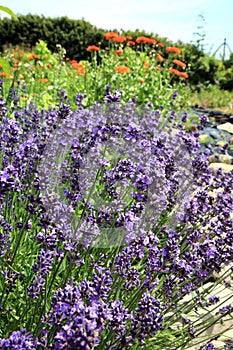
{"x": 7, "y": 10}
{"x": 5, "y": 66}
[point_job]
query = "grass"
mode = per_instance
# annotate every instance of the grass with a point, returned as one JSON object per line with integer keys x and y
{"x": 213, "y": 98}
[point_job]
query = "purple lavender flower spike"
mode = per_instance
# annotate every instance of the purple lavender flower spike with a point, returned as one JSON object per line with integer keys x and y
{"x": 132, "y": 154}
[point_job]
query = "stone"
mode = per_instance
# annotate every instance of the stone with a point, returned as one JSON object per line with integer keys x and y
{"x": 218, "y": 150}
{"x": 221, "y": 143}
{"x": 226, "y": 127}
{"x": 191, "y": 128}
{"x": 226, "y": 336}
{"x": 204, "y": 138}
{"x": 214, "y": 325}
{"x": 218, "y": 344}
{"x": 230, "y": 152}
{"x": 226, "y": 273}
{"x": 216, "y": 133}
{"x": 220, "y": 158}
{"x": 225, "y": 167}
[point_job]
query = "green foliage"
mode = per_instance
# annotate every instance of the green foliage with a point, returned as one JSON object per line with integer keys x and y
{"x": 8, "y": 11}
{"x": 213, "y": 97}
{"x": 73, "y": 35}
{"x": 76, "y": 35}
{"x": 5, "y": 65}
{"x": 226, "y": 74}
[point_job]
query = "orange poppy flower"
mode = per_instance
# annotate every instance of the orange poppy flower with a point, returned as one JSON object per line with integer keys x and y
{"x": 160, "y": 44}
{"x": 42, "y": 80}
{"x": 3, "y": 74}
{"x": 178, "y": 73}
{"x": 173, "y": 49}
{"x": 131, "y": 42}
{"x": 129, "y": 37}
{"x": 180, "y": 63}
{"x": 92, "y": 48}
{"x": 145, "y": 40}
{"x": 110, "y": 35}
{"x": 73, "y": 61}
{"x": 184, "y": 75}
{"x": 119, "y": 51}
{"x": 145, "y": 64}
{"x": 173, "y": 71}
{"x": 33, "y": 56}
{"x": 49, "y": 66}
{"x": 119, "y": 38}
{"x": 151, "y": 41}
{"x": 76, "y": 65}
{"x": 67, "y": 59}
{"x": 80, "y": 69}
{"x": 159, "y": 58}
{"x": 142, "y": 81}
{"x": 30, "y": 57}
{"x": 122, "y": 69}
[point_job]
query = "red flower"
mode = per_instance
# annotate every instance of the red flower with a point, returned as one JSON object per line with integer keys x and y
{"x": 145, "y": 63}
{"x": 180, "y": 63}
{"x": 183, "y": 74}
{"x": 122, "y": 69}
{"x": 160, "y": 44}
{"x": 92, "y": 48}
{"x": 119, "y": 38}
{"x": 130, "y": 42}
{"x": 42, "y": 80}
{"x": 119, "y": 51}
{"x": 159, "y": 58}
{"x": 173, "y": 49}
{"x": 145, "y": 40}
{"x": 110, "y": 35}
{"x": 178, "y": 73}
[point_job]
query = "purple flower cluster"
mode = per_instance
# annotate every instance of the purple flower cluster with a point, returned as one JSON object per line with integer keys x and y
{"x": 41, "y": 269}
{"x": 20, "y": 340}
{"x": 175, "y": 236}
{"x": 81, "y": 325}
{"x": 5, "y": 230}
{"x": 78, "y": 325}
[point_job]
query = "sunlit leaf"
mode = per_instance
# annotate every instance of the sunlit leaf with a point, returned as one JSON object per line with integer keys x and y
{"x": 5, "y": 66}
{"x": 7, "y": 10}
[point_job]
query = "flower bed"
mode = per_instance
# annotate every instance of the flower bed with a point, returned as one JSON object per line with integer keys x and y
{"x": 108, "y": 221}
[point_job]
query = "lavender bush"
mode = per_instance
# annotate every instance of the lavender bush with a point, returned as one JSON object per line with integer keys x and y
{"x": 80, "y": 273}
